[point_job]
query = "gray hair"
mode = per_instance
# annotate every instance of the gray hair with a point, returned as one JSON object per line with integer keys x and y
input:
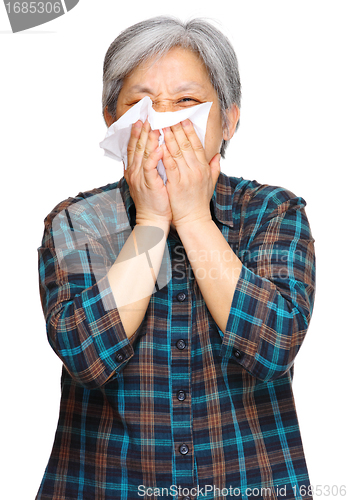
{"x": 154, "y": 38}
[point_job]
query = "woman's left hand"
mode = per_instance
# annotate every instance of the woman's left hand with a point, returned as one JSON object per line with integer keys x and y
{"x": 190, "y": 178}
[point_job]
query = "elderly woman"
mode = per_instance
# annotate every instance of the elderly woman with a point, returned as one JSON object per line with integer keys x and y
{"x": 182, "y": 390}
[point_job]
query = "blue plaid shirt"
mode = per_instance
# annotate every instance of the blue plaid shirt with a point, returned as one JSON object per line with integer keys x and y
{"x": 180, "y": 409}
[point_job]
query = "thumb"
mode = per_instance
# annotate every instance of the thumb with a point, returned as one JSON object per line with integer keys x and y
{"x": 215, "y": 167}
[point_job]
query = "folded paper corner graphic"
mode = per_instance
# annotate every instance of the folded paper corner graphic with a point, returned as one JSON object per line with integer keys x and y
{"x": 25, "y": 15}
{"x": 70, "y": 4}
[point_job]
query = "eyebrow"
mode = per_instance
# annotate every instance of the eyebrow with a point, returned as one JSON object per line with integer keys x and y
{"x": 182, "y": 88}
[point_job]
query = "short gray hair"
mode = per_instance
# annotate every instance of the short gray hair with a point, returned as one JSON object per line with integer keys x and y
{"x": 154, "y": 38}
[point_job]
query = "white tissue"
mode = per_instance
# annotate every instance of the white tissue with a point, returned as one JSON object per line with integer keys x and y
{"x": 118, "y": 134}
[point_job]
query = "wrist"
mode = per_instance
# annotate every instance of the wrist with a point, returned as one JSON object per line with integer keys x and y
{"x": 183, "y": 224}
{"x": 154, "y": 222}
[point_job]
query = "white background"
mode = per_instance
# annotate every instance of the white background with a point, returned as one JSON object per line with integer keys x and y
{"x": 293, "y": 133}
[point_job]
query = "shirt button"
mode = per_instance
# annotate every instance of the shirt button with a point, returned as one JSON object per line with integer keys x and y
{"x": 237, "y": 354}
{"x": 119, "y": 357}
{"x": 181, "y": 344}
{"x": 184, "y": 449}
{"x": 181, "y": 395}
{"x": 181, "y": 296}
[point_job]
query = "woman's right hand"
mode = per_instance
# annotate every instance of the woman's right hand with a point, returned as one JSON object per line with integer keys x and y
{"x": 146, "y": 187}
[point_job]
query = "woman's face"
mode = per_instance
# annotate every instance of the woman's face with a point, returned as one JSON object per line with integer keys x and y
{"x": 176, "y": 81}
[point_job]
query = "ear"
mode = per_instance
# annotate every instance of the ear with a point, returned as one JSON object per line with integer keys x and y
{"x": 233, "y": 114}
{"x": 107, "y": 117}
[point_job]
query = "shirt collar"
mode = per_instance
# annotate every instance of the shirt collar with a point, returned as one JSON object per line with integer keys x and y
{"x": 221, "y": 202}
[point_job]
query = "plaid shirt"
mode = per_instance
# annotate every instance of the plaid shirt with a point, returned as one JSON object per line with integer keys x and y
{"x": 180, "y": 409}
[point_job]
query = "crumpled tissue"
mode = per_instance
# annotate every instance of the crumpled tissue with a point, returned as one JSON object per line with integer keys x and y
{"x": 118, "y": 134}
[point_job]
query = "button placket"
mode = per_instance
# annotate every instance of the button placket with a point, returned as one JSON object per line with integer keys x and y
{"x": 181, "y": 368}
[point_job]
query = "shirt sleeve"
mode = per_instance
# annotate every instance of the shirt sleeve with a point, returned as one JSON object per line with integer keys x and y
{"x": 82, "y": 320}
{"x": 273, "y": 300}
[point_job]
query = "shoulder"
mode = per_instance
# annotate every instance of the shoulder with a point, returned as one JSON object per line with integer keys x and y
{"x": 256, "y": 203}
{"x": 83, "y": 202}
{"x": 90, "y": 215}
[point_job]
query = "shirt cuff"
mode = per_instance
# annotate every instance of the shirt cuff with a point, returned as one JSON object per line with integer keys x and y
{"x": 249, "y": 311}
{"x": 113, "y": 349}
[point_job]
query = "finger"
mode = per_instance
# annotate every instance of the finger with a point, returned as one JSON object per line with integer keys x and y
{"x": 172, "y": 170}
{"x": 193, "y": 139}
{"x": 140, "y": 148}
{"x": 151, "y": 144}
{"x": 185, "y": 146}
{"x": 135, "y": 134}
{"x": 174, "y": 148}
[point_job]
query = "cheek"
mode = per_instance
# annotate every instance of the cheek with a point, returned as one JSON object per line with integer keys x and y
{"x": 119, "y": 112}
{"x": 121, "y": 107}
{"x": 213, "y": 137}
{"x": 215, "y": 121}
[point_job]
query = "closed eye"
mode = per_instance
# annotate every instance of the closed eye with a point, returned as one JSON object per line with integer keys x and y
{"x": 187, "y": 99}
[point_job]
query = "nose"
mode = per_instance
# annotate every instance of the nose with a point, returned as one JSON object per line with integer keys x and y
{"x": 163, "y": 106}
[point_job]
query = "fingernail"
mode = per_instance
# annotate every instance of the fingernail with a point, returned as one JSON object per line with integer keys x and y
{"x": 138, "y": 124}
{"x": 186, "y": 123}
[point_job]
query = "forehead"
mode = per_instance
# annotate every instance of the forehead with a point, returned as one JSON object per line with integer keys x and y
{"x": 179, "y": 66}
